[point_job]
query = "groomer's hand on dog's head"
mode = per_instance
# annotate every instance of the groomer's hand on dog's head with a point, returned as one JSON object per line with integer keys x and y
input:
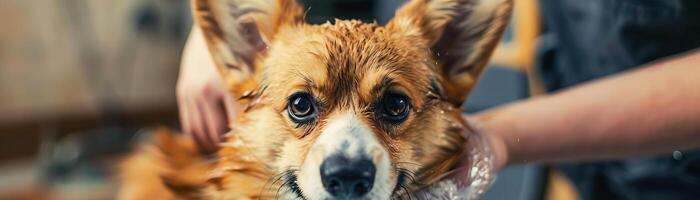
{"x": 345, "y": 109}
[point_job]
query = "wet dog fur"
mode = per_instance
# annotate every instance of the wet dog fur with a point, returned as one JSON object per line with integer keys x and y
{"x": 430, "y": 55}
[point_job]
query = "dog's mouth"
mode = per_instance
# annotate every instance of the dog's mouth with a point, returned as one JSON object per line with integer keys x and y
{"x": 404, "y": 179}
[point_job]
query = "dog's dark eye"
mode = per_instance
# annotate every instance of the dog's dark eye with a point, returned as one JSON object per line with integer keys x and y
{"x": 301, "y": 108}
{"x": 394, "y": 108}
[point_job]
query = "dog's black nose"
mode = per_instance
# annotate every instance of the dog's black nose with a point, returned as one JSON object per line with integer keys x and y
{"x": 343, "y": 177}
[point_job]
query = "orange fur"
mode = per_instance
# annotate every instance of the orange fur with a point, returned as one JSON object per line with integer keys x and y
{"x": 432, "y": 51}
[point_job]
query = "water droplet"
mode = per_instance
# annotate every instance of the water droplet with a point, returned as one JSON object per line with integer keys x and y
{"x": 247, "y": 93}
{"x": 677, "y": 155}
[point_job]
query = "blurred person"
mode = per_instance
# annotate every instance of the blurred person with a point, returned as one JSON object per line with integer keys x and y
{"x": 625, "y": 78}
{"x": 645, "y": 102}
{"x": 634, "y": 135}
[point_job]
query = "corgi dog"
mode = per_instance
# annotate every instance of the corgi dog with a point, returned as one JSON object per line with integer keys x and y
{"x": 341, "y": 110}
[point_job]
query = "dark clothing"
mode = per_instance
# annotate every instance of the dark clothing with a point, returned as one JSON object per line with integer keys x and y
{"x": 589, "y": 39}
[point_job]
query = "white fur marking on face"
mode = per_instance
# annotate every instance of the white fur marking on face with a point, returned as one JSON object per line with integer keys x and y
{"x": 347, "y": 135}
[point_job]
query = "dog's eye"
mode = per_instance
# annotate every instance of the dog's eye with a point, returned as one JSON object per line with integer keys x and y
{"x": 394, "y": 108}
{"x": 301, "y": 108}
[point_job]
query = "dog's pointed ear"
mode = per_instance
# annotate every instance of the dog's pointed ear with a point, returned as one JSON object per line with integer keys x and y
{"x": 461, "y": 34}
{"x": 237, "y": 33}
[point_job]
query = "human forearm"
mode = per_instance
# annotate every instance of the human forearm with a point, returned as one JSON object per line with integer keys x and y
{"x": 651, "y": 110}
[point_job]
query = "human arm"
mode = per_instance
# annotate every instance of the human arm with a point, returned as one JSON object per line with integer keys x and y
{"x": 650, "y": 110}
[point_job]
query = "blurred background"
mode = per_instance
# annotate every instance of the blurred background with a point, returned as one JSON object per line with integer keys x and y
{"x": 81, "y": 79}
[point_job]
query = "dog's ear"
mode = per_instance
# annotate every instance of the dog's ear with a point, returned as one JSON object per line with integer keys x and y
{"x": 237, "y": 33}
{"x": 461, "y": 34}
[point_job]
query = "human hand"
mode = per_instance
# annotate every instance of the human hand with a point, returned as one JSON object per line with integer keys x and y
{"x": 484, "y": 155}
{"x": 205, "y": 105}
{"x": 492, "y": 139}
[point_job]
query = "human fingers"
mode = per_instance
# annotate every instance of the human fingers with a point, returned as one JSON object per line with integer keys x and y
{"x": 215, "y": 116}
{"x": 199, "y": 128}
{"x": 184, "y": 114}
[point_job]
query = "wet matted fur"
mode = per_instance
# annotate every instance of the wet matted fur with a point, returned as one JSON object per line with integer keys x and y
{"x": 431, "y": 53}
